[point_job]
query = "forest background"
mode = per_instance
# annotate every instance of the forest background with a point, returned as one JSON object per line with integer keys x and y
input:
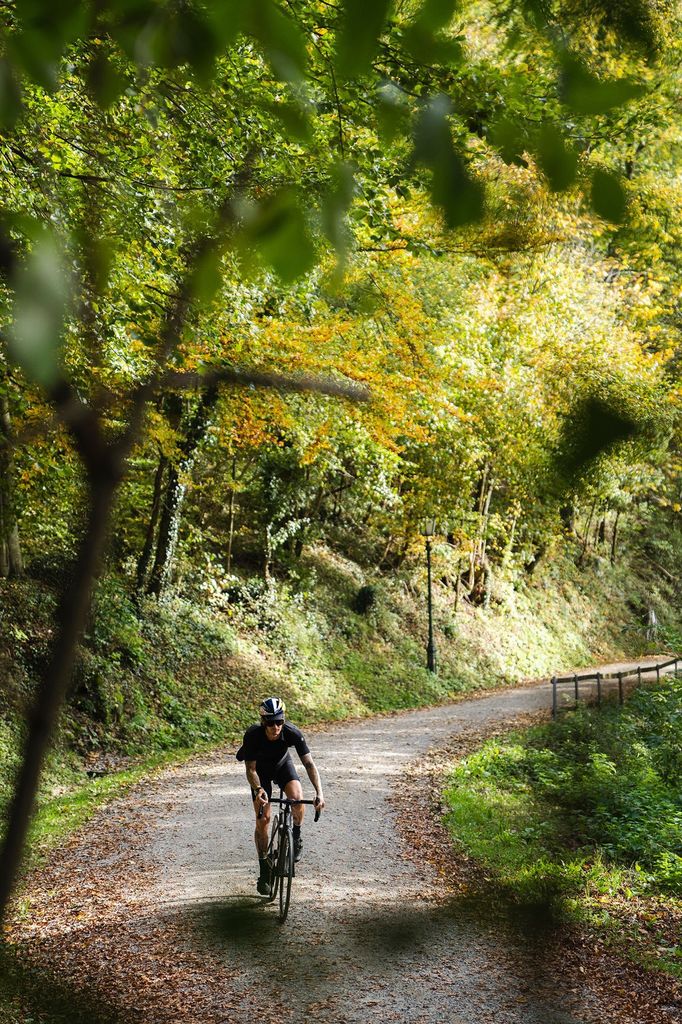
{"x": 280, "y": 282}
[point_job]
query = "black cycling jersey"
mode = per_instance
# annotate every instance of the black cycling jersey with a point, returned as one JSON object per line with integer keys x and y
{"x": 269, "y": 754}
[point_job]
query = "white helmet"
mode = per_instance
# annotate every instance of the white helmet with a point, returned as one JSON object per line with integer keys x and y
{"x": 272, "y": 710}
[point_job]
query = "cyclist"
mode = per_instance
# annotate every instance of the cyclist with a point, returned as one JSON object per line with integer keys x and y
{"x": 266, "y": 752}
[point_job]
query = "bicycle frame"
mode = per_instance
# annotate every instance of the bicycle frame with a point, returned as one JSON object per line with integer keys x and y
{"x": 281, "y": 850}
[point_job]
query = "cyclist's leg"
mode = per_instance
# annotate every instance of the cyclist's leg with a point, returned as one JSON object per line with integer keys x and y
{"x": 262, "y": 833}
{"x": 294, "y": 791}
{"x": 288, "y": 780}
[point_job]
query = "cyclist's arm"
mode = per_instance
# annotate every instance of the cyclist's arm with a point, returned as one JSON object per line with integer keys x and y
{"x": 314, "y": 777}
{"x": 253, "y": 780}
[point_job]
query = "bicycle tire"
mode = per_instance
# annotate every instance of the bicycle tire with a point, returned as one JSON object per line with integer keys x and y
{"x": 286, "y": 873}
{"x": 273, "y": 857}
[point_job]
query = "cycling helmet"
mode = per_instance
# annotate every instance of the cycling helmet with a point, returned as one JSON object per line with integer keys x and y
{"x": 272, "y": 710}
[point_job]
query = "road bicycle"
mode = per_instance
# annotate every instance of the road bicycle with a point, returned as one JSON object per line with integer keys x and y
{"x": 281, "y": 851}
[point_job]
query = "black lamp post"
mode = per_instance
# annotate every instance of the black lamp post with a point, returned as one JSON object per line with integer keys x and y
{"x": 428, "y": 530}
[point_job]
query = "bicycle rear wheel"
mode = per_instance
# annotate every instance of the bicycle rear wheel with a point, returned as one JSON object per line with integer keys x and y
{"x": 286, "y": 873}
{"x": 273, "y": 858}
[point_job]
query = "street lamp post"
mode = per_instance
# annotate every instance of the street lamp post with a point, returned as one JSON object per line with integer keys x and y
{"x": 428, "y": 530}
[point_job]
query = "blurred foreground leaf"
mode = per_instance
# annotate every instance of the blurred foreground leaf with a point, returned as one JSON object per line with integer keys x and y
{"x": 34, "y": 339}
{"x": 594, "y": 428}
{"x": 558, "y": 161}
{"x": 453, "y": 189}
{"x": 608, "y": 197}
{"x": 392, "y": 111}
{"x": 358, "y": 39}
{"x": 276, "y": 230}
{"x": 587, "y": 94}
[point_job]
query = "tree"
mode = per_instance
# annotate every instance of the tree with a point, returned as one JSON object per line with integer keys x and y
{"x": 145, "y": 213}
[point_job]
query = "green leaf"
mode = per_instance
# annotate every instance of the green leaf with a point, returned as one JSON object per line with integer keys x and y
{"x": 277, "y": 231}
{"x": 358, "y": 40}
{"x": 392, "y": 111}
{"x": 453, "y": 190}
{"x": 428, "y": 47}
{"x": 558, "y": 161}
{"x": 586, "y": 94}
{"x": 608, "y": 197}
{"x": 34, "y": 339}
{"x": 436, "y": 14}
{"x": 206, "y": 277}
{"x": 294, "y": 119}
{"x": 228, "y": 18}
{"x": 104, "y": 81}
{"x": 44, "y": 31}
{"x": 10, "y": 95}
{"x": 424, "y": 40}
{"x": 510, "y": 141}
{"x": 280, "y": 39}
{"x": 335, "y": 206}
{"x": 594, "y": 427}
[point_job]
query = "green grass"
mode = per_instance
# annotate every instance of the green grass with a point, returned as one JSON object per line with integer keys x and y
{"x": 583, "y": 814}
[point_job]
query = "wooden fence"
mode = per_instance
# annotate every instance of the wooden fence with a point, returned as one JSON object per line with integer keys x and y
{"x": 599, "y": 678}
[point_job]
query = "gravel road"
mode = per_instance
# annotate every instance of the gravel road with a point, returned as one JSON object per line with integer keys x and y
{"x": 155, "y": 907}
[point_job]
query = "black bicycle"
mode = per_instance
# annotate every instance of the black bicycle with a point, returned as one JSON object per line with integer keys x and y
{"x": 281, "y": 851}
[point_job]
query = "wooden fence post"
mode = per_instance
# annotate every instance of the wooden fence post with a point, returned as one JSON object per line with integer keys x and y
{"x": 554, "y": 697}
{"x": 620, "y": 687}
{"x": 598, "y": 689}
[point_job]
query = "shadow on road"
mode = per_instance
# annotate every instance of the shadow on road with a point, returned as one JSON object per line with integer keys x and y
{"x": 29, "y": 994}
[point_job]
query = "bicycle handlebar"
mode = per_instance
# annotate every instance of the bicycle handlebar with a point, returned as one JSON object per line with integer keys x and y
{"x": 281, "y": 802}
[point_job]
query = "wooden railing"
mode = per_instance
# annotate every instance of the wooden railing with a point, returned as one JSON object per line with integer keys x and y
{"x": 599, "y": 678}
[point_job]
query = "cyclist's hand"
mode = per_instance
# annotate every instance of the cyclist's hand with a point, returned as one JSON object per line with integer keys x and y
{"x": 262, "y": 797}
{"x": 319, "y": 802}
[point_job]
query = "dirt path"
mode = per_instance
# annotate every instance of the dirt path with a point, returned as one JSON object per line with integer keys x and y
{"x": 152, "y": 913}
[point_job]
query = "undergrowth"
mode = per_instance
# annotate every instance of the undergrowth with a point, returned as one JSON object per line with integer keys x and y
{"x": 583, "y": 815}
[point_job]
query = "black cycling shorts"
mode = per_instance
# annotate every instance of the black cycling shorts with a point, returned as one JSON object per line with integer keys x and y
{"x": 285, "y": 773}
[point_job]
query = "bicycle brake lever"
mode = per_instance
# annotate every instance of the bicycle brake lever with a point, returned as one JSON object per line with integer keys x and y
{"x": 317, "y": 814}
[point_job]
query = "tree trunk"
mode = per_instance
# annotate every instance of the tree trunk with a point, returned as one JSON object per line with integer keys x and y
{"x": 485, "y": 519}
{"x": 567, "y": 516}
{"x": 614, "y": 538}
{"x": 71, "y": 616}
{"x": 481, "y": 503}
{"x": 146, "y": 556}
{"x": 230, "y": 514}
{"x": 267, "y": 555}
{"x": 509, "y": 546}
{"x": 602, "y": 530}
{"x": 168, "y": 526}
{"x": 11, "y": 562}
{"x": 581, "y": 557}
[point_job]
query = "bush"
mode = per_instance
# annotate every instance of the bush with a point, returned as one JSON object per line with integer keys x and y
{"x": 364, "y": 599}
{"x": 595, "y": 786}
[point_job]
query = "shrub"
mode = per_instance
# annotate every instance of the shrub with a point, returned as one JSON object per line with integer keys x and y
{"x": 364, "y": 599}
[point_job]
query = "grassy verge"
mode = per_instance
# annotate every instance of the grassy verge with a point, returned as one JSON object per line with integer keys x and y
{"x": 582, "y": 818}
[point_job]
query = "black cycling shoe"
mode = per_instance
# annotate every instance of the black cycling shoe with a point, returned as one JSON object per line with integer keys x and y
{"x": 263, "y": 885}
{"x": 298, "y": 849}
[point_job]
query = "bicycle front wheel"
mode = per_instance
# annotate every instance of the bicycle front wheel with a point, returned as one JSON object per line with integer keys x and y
{"x": 286, "y": 873}
{"x": 273, "y": 858}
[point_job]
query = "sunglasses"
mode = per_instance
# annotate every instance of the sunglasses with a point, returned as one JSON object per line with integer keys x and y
{"x": 270, "y": 725}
